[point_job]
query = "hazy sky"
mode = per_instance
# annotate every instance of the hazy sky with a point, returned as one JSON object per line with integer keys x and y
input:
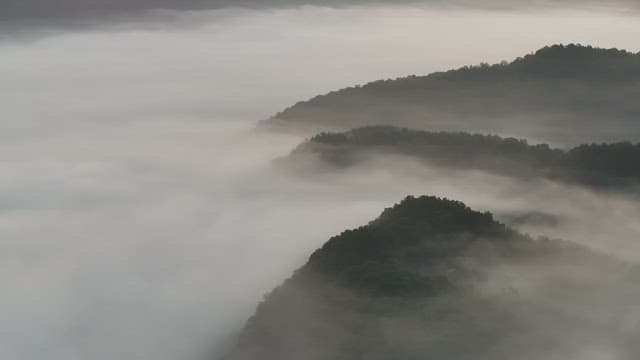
{"x": 249, "y": 64}
{"x": 138, "y": 218}
{"x": 94, "y": 9}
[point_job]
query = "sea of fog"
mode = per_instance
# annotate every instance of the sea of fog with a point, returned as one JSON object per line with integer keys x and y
{"x": 140, "y": 216}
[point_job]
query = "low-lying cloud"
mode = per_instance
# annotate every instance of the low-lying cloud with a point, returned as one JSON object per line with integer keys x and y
{"x": 30, "y": 9}
{"x": 140, "y": 218}
{"x": 41, "y": 18}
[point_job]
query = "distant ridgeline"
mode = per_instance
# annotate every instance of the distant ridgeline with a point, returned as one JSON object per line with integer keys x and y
{"x": 600, "y": 165}
{"x": 560, "y": 94}
{"x": 433, "y": 279}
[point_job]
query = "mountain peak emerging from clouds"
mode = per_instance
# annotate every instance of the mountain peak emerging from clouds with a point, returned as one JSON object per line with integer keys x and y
{"x": 561, "y": 94}
{"x": 614, "y": 166}
{"x": 431, "y": 278}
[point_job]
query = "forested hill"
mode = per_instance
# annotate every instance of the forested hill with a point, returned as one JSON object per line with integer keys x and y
{"x": 599, "y": 165}
{"x": 560, "y": 94}
{"x": 431, "y": 278}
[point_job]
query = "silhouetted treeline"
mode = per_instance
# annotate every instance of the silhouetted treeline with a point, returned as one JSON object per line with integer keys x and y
{"x": 600, "y": 164}
{"x": 605, "y": 165}
{"x": 562, "y": 94}
{"x": 431, "y": 278}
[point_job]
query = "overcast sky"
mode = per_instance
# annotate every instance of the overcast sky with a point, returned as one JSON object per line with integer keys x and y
{"x": 40, "y": 17}
{"x": 29, "y": 9}
{"x": 138, "y": 217}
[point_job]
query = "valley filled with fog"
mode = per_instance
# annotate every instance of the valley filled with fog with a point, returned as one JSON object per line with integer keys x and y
{"x": 143, "y": 214}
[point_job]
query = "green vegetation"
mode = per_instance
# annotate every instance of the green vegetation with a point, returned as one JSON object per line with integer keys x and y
{"x": 561, "y": 94}
{"x": 431, "y": 277}
{"x": 603, "y": 165}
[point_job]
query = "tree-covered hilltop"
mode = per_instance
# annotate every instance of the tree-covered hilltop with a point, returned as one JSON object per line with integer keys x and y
{"x": 561, "y": 94}
{"x": 602, "y": 165}
{"x": 431, "y": 278}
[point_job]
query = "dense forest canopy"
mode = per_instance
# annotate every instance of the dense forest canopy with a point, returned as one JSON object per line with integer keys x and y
{"x": 602, "y": 165}
{"x": 561, "y": 94}
{"x": 431, "y": 277}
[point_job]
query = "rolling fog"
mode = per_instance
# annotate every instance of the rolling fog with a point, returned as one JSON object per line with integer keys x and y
{"x": 141, "y": 218}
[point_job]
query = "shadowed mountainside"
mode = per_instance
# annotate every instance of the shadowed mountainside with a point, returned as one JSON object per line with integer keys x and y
{"x": 432, "y": 278}
{"x": 609, "y": 166}
{"x": 560, "y": 94}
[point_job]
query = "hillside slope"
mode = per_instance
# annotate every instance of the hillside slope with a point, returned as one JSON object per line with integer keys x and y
{"x": 560, "y": 94}
{"x": 431, "y": 278}
{"x": 610, "y": 166}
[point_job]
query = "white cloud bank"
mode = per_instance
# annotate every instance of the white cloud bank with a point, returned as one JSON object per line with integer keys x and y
{"x": 139, "y": 219}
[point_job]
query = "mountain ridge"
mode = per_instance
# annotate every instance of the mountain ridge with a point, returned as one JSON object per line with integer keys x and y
{"x": 544, "y": 95}
{"x": 431, "y": 277}
{"x": 604, "y": 166}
